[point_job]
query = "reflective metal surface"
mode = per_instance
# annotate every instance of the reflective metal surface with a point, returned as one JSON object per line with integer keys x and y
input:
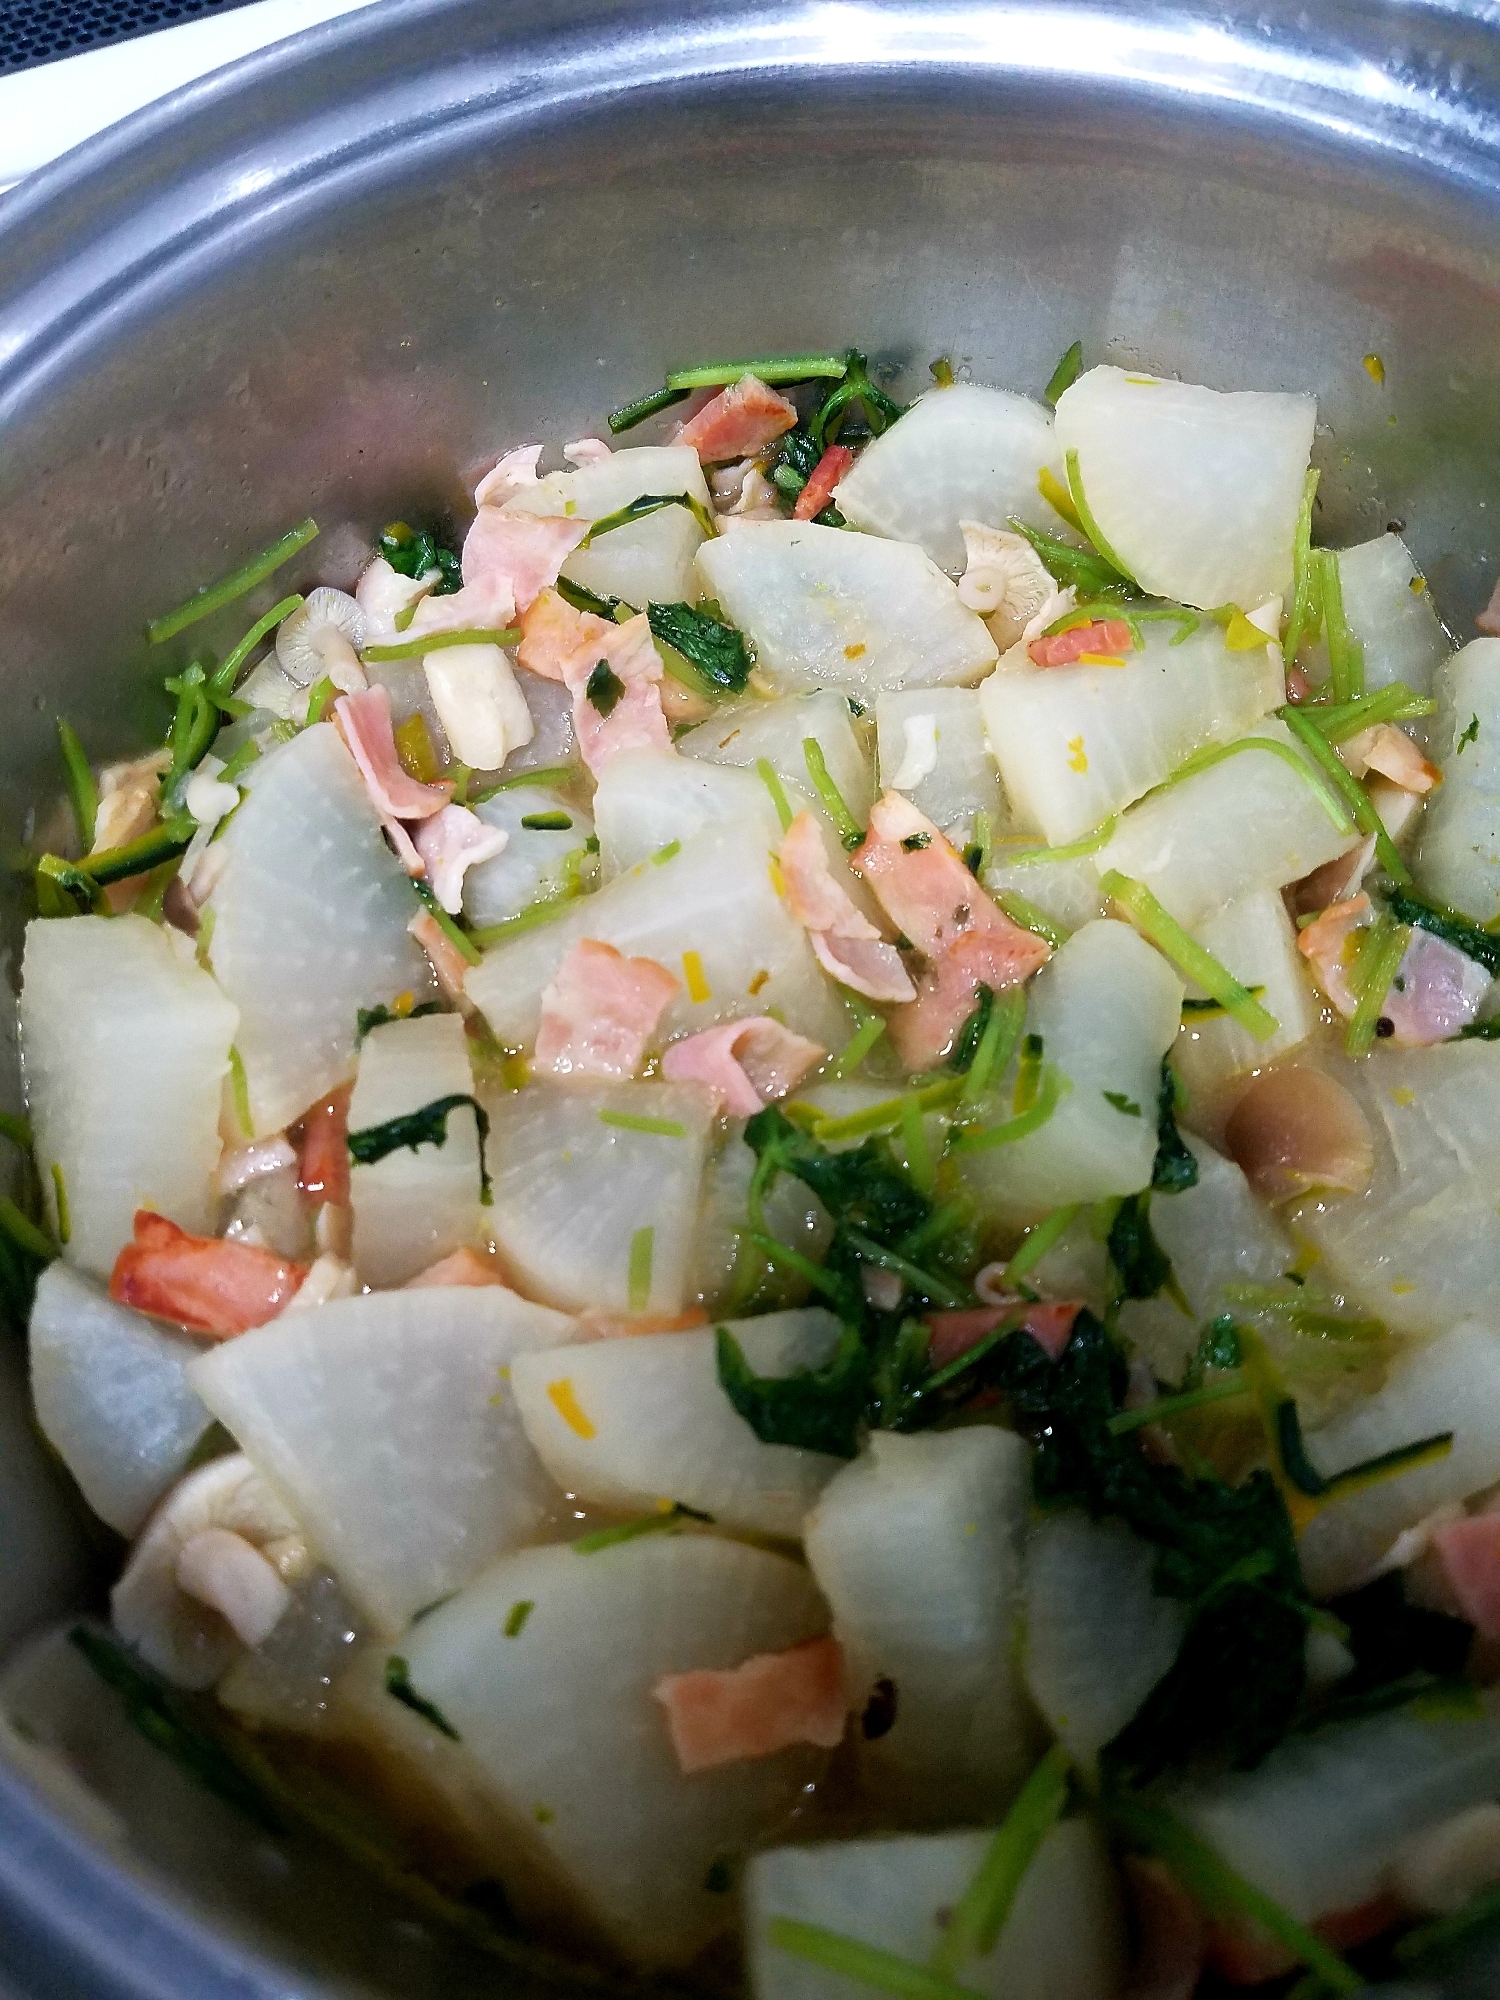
{"x": 342, "y": 275}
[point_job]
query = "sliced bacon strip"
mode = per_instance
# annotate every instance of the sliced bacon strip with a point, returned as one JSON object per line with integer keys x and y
{"x": 515, "y": 473}
{"x": 556, "y": 640}
{"x": 364, "y": 722}
{"x": 1328, "y": 945}
{"x": 1469, "y": 1552}
{"x": 211, "y": 1286}
{"x": 566, "y": 645}
{"x": 323, "y": 1156}
{"x": 587, "y": 451}
{"x": 452, "y": 842}
{"x": 636, "y": 721}
{"x": 1392, "y": 753}
{"x": 1048, "y": 1321}
{"x": 1109, "y": 638}
{"x": 826, "y": 475}
{"x": 600, "y": 1011}
{"x": 928, "y": 893}
{"x": 1436, "y": 991}
{"x": 519, "y": 554}
{"x": 768, "y": 1703}
{"x": 1489, "y": 619}
{"x": 740, "y": 421}
{"x": 443, "y": 955}
{"x": 845, "y": 943}
{"x": 486, "y": 605}
{"x": 460, "y": 1267}
{"x": 745, "y": 1063}
{"x": 948, "y": 989}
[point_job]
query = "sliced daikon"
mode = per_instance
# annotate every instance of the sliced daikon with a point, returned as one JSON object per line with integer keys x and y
{"x": 387, "y": 1425}
{"x": 406, "y": 684}
{"x": 1457, "y": 856}
{"x": 112, "y": 1396}
{"x": 309, "y": 924}
{"x": 657, "y": 1426}
{"x": 1107, "y": 1008}
{"x": 649, "y": 798}
{"x": 1075, "y": 744}
{"x": 649, "y": 561}
{"x": 709, "y": 913}
{"x": 916, "y": 1546}
{"x": 124, "y": 1047}
{"x": 1389, "y": 610}
{"x": 933, "y": 748}
{"x": 1252, "y": 821}
{"x": 959, "y": 454}
{"x": 1451, "y": 1385}
{"x": 592, "y": 1207}
{"x": 792, "y": 1212}
{"x": 1255, "y": 939}
{"x": 414, "y": 1206}
{"x": 537, "y": 861}
{"x": 1195, "y": 491}
{"x": 748, "y": 731}
{"x": 1063, "y": 1939}
{"x": 563, "y": 1732}
{"x": 829, "y": 608}
{"x": 1067, "y": 892}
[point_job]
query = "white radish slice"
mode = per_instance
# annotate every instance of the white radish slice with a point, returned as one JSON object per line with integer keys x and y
{"x": 792, "y": 1211}
{"x": 746, "y": 732}
{"x": 1255, "y": 939}
{"x": 1196, "y": 491}
{"x": 536, "y": 861}
{"x": 648, "y": 798}
{"x": 1067, "y": 892}
{"x": 649, "y": 561}
{"x": 1389, "y": 610}
{"x": 828, "y": 608}
{"x": 386, "y": 1423}
{"x": 933, "y": 748}
{"x": 658, "y": 1426}
{"x": 1457, "y": 856}
{"x": 555, "y": 1716}
{"x": 125, "y": 1047}
{"x": 310, "y": 923}
{"x": 959, "y": 454}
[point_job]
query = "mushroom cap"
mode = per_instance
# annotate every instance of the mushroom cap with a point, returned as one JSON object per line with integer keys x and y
{"x": 299, "y": 638}
{"x": 1296, "y": 1129}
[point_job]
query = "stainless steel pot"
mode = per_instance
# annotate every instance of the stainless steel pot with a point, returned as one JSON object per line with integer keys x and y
{"x": 340, "y": 275}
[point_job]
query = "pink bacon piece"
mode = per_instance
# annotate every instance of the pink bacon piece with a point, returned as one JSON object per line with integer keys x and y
{"x": 948, "y": 990}
{"x": 1105, "y": 638}
{"x": 1048, "y": 1321}
{"x": 519, "y": 553}
{"x": 826, "y": 475}
{"x": 1328, "y": 944}
{"x": 459, "y": 1268}
{"x": 600, "y": 1011}
{"x": 515, "y": 473}
{"x": 1436, "y": 991}
{"x": 214, "y": 1287}
{"x": 747, "y": 1064}
{"x": 443, "y": 955}
{"x": 1489, "y": 619}
{"x": 738, "y": 422}
{"x": 451, "y": 843}
{"x": 1469, "y": 1552}
{"x": 566, "y": 645}
{"x": 364, "y": 722}
{"x": 768, "y": 1703}
{"x": 1390, "y": 752}
{"x": 845, "y": 943}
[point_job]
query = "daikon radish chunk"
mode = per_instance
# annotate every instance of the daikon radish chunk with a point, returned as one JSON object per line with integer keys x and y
{"x": 1066, "y": 892}
{"x": 1097, "y": 1637}
{"x": 1451, "y": 1385}
{"x": 1196, "y": 492}
{"x": 310, "y": 923}
{"x": 959, "y": 454}
{"x": 1420, "y": 1248}
{"x": 1254, "y": 938}
{"x": 593, "y": 1206}
{"x": 746, "y": 732}
{"x": 933, "y": 748}
{"x": 1075, "y": 744}
{"x": 538, "y": 861}
{"x": 112, "y": 1396}
{"x": 649, "y": 561}
{"x": 1251, "y": 821}
{"x": 563, "y": 1735}
{"x": 714, "y": 920}
{"x": 1389, "y": 610}
{"x": 916, "y": 1546}
{"x": 413, "y": 1207}
{"x": 649, "y": 798}
{"x": 124, "y": 1048}
{"x": 1107, "y": 1008}
{"x": 827, "y": 608}
{"x": 1318, "y": 1823}
{"x": 792, "y": 1211}
{"x": 658, "y": 1426}
{"x": 387, "y": 1424}
{"x": 1457, "y": 855}
{"x": 1064, "y": 1938}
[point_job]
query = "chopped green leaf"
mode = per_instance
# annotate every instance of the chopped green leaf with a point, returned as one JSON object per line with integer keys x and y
{"x": 915, "y": 842}
{"x": 1393, "y": 703}
{"x": 879, "y": 412}
{"x": 1175, "y": 1166}
{"x": 850, "y": 832}
{"x": 1039, "y": 1239}
{"x": 1450, "y": 925}
{"x": 1469, "y": 735}
{"x": 1126, "y": 1106}
{"x": 417, "y": 555}
{"x": 516, "y": 1617}
{"x": 774, "y": 370}
{"x": 1142, "y": 1268}
{"x": 1380, "y": 955}
{"x": 1065, "y": 374}
{"x": 604, "y": 688}
{"x": 1090, "y": 574}
{"x": 398, "y": 1683}
{"x": 459, "y": 938}
{"x": 649, "y": 503}
{"x": 381, "y": 1016}
{"x": 866, "y": 1964}
{"x": 667, "y": 1521}
{"x": 1228, "y": 1388}
{"x": 228, "y": 590}
{"x": 866, "y": 1035}
{"x": 427, "y": 1126}
{"x": 434, "y": 642}
{"x": 83, "y": 795}
{"x": 714, "y": 647}
{"x": 971, "y": 1034}
{"x": 642, "y": 1246}
{"x": 546, "y": 822}
{"x": 1156, "y": 925}
{"x": 630, "y": 414}
{"x": 1360, "y": 806}
{"x": 941, "y": 372}
{"x": 1305, "y": 612}
{"x": 975, "y": 1926}
{"x": 1346, "y": 656}
{"x": 633, "y": 1121}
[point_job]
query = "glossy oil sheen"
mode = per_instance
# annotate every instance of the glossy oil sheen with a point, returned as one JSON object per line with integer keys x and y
{"x": 342, "y": 275}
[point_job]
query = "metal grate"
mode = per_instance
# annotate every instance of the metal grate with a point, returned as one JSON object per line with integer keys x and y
{"x": 39, "y": 31}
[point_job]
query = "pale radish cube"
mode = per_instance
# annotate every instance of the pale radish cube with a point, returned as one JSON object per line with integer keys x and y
{"x": 1064, "y": 1938}
{"x": 1419, "y": 1248}
{"x": 656, "y": 1425}
{"x": 1317, "y": 1825}
{"x": 413, "y": 1207}
{"x": 589, "y": 1209}
{"x": 1389, "y": 610}
{"x": 124, "y": 1048}
{"x": 537, "y": 861}
{"x": 1107, "y": 1008}
{"x": 710, "y": 914}
{"x": 748, "y": 731}
{"x": 387, "y": 1425}
{"x": 309, "y": 923}
{"x": 792, "y": 1211}
{"x": 1453, "y": 1384}
{"x": 570, "y": 1747}
{"x": 405, "y": 681}
{"x": 1097, "y": 1637}
{"x": 1251, "y": 821}
{"x": 1066, "y": 892}
{"x": 649, "y": 798}
{"x": 916, "y": 1546}
{"x": 112, "y": 1396}
{"x": 1076, "y": 744}
{"x": 958, "y": 454}
{"x": 649, "y": 561}
{"x": 932, "y": 747}
{"x": 1196, "y": 491}
{"x": 828, "y": 608}
{"x": 1457, "y": 855}
{"x": 1254, "y": 938}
